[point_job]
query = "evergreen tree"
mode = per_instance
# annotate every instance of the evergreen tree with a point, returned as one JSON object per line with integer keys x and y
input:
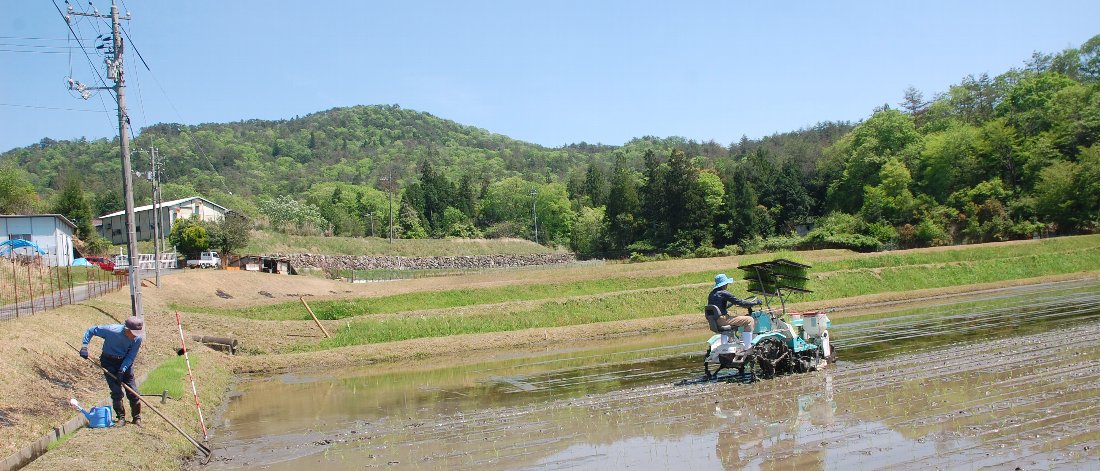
{"x": 621, "y": 216}
{"x": 654, "y": 202}
{"x": 742, "y": 217}
{"x": 595, "y": 185}
{"x": 72, "y": 204}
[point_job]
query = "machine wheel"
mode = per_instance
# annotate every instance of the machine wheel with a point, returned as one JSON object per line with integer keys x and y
{"x": 773, "y": 356}
{"x": 706, "y": 366}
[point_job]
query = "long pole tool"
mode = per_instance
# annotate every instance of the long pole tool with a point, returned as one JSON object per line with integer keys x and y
{"x": 200, "y": 446}
{"x": 194, "y": 391}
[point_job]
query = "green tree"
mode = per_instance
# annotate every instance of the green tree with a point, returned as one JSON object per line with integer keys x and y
{"x": 410, "y": 223}
{"x": 743, "y": 221}
{"x": 71, "y": 203}
{"x": 623, "y": 206}
{"x": 1026, "y": 104}
{"x": 856, "y": 160}
{"x": 1090, "y": 59}
{"x": 595, "y": 185}
{"x": 189, "y": 236}
{"x": 1056, "y": 194}
{"x": 1088, "y": 186}
{"x": 654, "y": 201}
{"x": 949, "y": 161}
{"x": 457, "y": 224}
{"x": 17, "y": 194}
{"x": 230, "y": 234}
{"x": 587, "y": 235}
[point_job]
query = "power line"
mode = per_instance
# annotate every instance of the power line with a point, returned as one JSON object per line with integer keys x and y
{"x": 16, "y": 51}
{"x": 37, "y": 46}
{"x": 81, "y": 44}
{"x": 28, "y": 38}
{"x": 51, "y": 108}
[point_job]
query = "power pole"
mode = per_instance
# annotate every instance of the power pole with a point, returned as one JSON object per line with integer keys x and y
{"x": 534, "y": 215}
{"x": 115, "y": 72}
{"x": 388, "y": 185}
{"x": 156, "y": 214}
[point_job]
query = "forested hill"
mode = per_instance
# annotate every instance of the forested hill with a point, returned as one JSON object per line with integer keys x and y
{"x": 991, "y": 158}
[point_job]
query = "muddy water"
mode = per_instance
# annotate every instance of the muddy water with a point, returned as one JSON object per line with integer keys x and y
{"x": 1004, "y": 379}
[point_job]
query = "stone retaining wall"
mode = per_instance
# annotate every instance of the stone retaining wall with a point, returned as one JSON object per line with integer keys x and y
{"x": 370, "y": 262}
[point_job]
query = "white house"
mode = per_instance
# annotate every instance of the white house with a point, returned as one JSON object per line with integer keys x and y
{"x": 113, "y": 226}
{"x": 52, "y": 232}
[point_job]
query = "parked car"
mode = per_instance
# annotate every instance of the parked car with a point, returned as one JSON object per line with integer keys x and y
{"x": 101, "y": 262}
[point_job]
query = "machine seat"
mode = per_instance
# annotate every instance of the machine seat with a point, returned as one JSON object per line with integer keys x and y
{"x": 712, "y": 314}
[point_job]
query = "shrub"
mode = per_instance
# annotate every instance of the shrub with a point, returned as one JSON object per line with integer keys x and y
{"x": 777, "y": 243}
{"x": 930, "y": 234}
{"x": 856, "y": 242}
{"x": 882, "y": 231}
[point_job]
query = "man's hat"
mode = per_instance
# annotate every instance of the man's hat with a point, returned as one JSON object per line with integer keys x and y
{"x": 722, "y": 280}
{"x": 135, "y": 325}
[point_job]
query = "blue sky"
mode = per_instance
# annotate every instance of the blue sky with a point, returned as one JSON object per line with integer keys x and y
{"x": 551, "y": 73}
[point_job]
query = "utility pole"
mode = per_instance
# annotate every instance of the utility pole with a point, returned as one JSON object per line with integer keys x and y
{"x": 156, "y": 214}
{"x": 387, "y": 184}
{"x": 534, "y": 215}
{"x": 115, "y": 72}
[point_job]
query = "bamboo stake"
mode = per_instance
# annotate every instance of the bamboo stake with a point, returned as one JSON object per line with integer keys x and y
{"x": 303, "y": 300}
{"x": 200, "y": 446}
{"x": 15, "y": 283}
{"x": 30, "y": 288}
{"x": 69, "y": 276}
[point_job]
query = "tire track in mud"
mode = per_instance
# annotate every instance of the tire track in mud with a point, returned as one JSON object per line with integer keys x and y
{"x": 1028, "y": 399}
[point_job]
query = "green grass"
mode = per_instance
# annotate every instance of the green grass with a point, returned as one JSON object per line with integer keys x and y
{"x": 619, "y": 297}
{"x": 689, "y": 298}
{"x": 271, "y": 242}
{"x": 1047, "y": 257}
{"x": 170, "y": 375}
{"x": 60, "y": 441}
{"x": 466, "y": 297}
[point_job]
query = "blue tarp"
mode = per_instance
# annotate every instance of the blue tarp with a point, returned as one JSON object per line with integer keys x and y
{"x": 8, "y": 245}
{"x": 81, "y": 262}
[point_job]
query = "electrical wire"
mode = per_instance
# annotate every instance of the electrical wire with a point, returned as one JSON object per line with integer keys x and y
{"x": 36, "y": 46}
{"x": 81, "y": 44}
{"x": 91, "y": 63}
{"x": 51, "y": 108}
{"x": 30, "y": 38}
{"x": 32, "y": 52}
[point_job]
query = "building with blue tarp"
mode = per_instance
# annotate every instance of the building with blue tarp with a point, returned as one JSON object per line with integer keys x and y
{"x": 48, "y": 233}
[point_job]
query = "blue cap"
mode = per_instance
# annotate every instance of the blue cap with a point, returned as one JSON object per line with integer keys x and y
{"x": 722, "y": 280}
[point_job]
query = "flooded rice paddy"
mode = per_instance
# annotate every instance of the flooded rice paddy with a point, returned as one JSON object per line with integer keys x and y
{"x": 1005, "y": 379}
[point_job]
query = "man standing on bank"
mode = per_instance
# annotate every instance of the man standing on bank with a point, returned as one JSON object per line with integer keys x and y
{"x": 121, "y": 343}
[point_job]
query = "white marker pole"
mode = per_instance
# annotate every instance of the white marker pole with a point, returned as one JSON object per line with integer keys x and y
{"x": 194, "y": 391}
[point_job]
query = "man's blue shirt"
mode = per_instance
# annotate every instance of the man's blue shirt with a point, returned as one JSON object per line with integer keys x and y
{"x": 723, "y": 299}
{"x": 116, "y": 343}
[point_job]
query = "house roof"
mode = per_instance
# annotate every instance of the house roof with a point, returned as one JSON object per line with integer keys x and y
{"x": 165, "y": 204}
{"x": 58, "y": 216}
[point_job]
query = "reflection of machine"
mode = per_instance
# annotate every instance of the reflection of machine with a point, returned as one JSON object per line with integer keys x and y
{"x": 787, "y": 438}
{"x": 783, "y": 342}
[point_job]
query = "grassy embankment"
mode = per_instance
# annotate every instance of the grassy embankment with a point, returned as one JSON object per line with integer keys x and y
{"x": 510, "y": 308}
